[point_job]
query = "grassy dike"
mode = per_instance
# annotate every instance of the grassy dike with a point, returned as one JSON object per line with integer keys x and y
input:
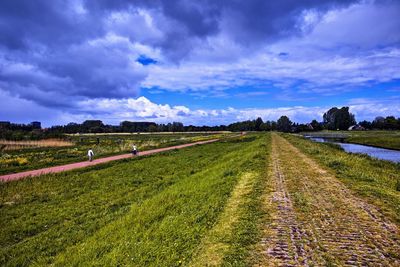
{"x": 374, "y": 180}
{"x": 384, "y": 139}
{"x": 152, "y": 211}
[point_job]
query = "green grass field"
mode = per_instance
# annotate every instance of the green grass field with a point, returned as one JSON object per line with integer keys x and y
{"x": 35, "y": 158}
{"x": 375, "y": 180}
{"x": 169, "y": 209}
{"x": 207, "y": 205}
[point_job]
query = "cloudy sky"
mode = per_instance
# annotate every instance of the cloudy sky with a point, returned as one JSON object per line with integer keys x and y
{"x": 197, "y": 61}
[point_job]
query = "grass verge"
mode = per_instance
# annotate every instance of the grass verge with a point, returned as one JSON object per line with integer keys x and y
{"x": 231, "y": 242}
{"x": 389, "y": 140}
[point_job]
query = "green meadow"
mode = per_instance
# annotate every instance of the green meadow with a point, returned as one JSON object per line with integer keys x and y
{"x": 168, "y": 209}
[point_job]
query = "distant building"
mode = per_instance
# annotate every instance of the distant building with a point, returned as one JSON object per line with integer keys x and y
{"x": 356, "y": 127}
{"x": 36, "y": 125}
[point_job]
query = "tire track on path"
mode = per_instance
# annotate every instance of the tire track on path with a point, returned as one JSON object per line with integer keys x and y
{"x": 317, "y": 221}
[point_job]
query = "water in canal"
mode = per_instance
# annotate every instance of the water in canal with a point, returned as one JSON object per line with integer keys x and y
{"x": 379, "y": 153}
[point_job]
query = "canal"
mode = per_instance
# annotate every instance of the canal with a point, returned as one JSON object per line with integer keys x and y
{"x": 376, "y": 152}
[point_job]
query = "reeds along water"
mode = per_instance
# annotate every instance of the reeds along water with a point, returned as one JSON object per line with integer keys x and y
{"x": 15, "y": 145}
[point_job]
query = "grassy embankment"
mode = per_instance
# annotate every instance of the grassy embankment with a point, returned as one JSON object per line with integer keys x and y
{"x": 169, "y": 209}
{"x": 384, "y": 139}
{"x": 41, "y": 157}
{"x": 375, "y": 180}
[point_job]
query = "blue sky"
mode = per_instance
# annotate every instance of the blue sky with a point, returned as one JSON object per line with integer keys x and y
{"x": 198, "y": 62}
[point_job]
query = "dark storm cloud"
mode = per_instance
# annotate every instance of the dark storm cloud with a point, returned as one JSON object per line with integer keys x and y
{"x": 85, "y": 70}
{"x": 247, "y": 22}
{"x": 49, "y": 54}
{"x": 258, "y": 20}
{"x": 198, "y": 18}
{"x": 53, "y": 52}
{"x": 51, "y": 23}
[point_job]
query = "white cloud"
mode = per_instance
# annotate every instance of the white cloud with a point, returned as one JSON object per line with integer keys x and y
{"x": 133, "y": 109}
{"x": 136, "y": 24}
{"x": 368, "y": 109}
{"x": 113, "y": 111}
{"x": 142, "y": 109}
{"x": 365, "y": 25}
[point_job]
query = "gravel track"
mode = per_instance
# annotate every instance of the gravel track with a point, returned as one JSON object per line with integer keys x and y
{"x": 317, "y": 221}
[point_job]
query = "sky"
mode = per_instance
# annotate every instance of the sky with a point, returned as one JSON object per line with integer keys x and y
{"x": 201, "y": 62}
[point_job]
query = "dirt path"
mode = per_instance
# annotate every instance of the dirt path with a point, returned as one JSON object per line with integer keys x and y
{"x": 20, "y": 175}
{"x": 317, "y": 221}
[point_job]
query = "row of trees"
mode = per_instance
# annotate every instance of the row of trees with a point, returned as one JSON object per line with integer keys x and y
{"x": 381, "y": 123}
{"x": 17, "y": 131}
{"x": 334, "y": 119}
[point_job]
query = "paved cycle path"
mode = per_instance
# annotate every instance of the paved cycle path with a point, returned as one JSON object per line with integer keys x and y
{"x": 67, "y": 167}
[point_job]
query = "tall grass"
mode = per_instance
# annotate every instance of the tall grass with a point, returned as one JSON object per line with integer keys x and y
{"x": 7, "y": 145}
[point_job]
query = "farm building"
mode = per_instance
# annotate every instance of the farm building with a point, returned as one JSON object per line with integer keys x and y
{"x": 356, "y": 127}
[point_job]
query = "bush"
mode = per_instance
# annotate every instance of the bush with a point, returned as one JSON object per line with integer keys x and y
{"x": 398, "y": 185}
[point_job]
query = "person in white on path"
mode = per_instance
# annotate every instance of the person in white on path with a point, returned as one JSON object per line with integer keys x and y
{"x": 90, "y": 154}
{"x": 134, "y": 149}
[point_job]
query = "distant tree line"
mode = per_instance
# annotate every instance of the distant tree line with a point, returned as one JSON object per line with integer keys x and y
{"x": 16, "y": 131}
{"x": 334, "y": 119}
{"x": 381, "y": 123}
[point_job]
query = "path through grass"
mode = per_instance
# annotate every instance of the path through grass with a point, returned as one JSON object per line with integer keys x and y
{"x": 103, "y": 145}
{"x": 315, "y": 220}
{"x": 376, "y": 181}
